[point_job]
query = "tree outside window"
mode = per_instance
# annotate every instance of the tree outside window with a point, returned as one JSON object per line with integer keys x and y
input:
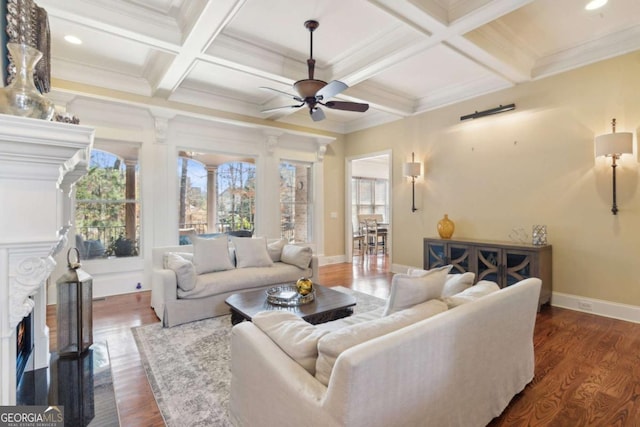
{"x": 107, "y": 209}
{"x": 232, "y": 185}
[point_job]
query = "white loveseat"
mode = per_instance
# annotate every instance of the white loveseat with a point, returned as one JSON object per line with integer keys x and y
{"x": 205, "y": 297}
{"x": 459, "y": 367}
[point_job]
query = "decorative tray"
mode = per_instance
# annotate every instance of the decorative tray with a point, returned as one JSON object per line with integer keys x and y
{"x": 288, "y": 296}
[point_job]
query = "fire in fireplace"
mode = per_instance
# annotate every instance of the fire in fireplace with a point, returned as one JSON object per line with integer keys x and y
{"x": 24, "y": 343}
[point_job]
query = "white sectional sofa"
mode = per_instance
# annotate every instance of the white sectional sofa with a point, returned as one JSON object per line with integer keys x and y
{"x": 192, "y": 282}
{"x": 456, "y": 362}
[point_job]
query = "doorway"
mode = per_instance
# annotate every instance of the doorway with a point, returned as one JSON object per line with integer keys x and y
{"x": 368, "y": 195}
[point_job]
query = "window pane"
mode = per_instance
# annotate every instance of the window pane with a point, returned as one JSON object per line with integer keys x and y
{"x": 107, "y": 212}
{"x": 370, "y": 196}
{"x": 380, "y": 192}
{"x": 192, "y": 198}
{"x": 236, "y": 196}
{"x": 365, "y": 191}
{"x": 233, "y": 201}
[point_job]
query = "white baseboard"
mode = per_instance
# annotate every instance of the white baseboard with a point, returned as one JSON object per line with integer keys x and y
{"x": 630, "y": 313}
{"x": 335, "y": 259}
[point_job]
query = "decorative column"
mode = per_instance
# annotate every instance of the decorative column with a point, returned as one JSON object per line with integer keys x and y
{"x": 39, "y": 163}
{"x": 212, "y": 199}
{"x": 301, "y": 216}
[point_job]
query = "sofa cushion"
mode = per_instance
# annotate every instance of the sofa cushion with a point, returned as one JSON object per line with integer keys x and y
{"x": 275, "y": 249}
{"x": 300, "y": 256}
{"x": 251, "y": 252}
{"x": 333, "y": 344}
{"x": 211, "y": 254}
{"x": 457, "y": 283}
{"x": 480, "y": 289}
{"x": 293, "y": 335}
{"x": 185, "y": 255}
{"x": 454, "y": 284}
{"x": 184, "y": 269}
{"x": 239, "y": 279}
{"x": 407, "y": 291}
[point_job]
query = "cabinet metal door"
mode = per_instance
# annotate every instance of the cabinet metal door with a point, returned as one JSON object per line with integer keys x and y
{"x": 518, "y": 266}
{"x": 488, "y": 264}
{"x": 436, "y": 255}
{"x": 460, "y": 257}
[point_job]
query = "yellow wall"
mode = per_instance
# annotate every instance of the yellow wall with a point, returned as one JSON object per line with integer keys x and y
{"x": 534, "y": 165}
{"x": 334, "y": 197}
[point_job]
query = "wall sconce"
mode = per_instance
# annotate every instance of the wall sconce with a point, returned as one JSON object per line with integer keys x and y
{"x": 497, "y": 110}
{"x": 614, "y": 145}
{"x": 412, "y": 169}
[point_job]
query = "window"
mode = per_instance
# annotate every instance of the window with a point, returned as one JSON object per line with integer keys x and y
{"x": 214, "y": 197}
{"x": 236, "y": 196}
{"x": 369, "y": 196}
{"x": 296, "y": 204}
{"x": 192, "y": 203}
{"x": 107, "y": 208}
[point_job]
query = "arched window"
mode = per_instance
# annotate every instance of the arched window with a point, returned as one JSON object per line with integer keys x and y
{"x": 107, "y": 210}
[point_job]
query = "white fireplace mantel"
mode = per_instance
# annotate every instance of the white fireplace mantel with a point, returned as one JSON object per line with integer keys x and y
{"x": 39, "y": 163}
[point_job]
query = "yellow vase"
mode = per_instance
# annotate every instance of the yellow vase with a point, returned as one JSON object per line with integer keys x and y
{"x": 446, "y": 227}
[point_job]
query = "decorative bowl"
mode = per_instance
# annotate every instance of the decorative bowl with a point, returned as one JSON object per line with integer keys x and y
{"x": 288, "y": 296}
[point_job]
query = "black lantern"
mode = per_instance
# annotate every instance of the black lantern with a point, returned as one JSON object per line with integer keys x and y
{"x": 74, "y": 309}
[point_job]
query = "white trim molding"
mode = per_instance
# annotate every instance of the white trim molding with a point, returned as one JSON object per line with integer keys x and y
{"x": 614, "y": 310}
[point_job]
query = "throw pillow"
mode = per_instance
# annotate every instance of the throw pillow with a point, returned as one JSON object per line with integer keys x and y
{"x": 480, "y": 289}
{"x": 333, "y": 344}
{"x": 457, "y": 283}
{"x": 184, "y": 269}
{"x": 300, "y": 256}
{"x": 211, "y": 255}
{"x": 275, "y": 249}
{"x": 416, "y": 272}
{"x": 407, "y": 291}
{"x": 454, "y": 284}
{"x": 251, "y": 252}
{"x": 293, "y": 335}
{"x": 186, "y": 255}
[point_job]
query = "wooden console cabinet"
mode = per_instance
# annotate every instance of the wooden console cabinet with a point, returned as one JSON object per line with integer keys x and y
{"x": 502, "y": 262}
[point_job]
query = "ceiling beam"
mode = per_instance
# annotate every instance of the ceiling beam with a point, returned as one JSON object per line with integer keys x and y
{"x": 214, "y": 18}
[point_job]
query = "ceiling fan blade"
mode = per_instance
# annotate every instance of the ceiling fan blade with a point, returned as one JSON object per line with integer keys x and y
{"x": 316, "y": 114}
{"x": 296, "y": 97}
{"x": 347, "y": 106}
{"x": 332, "y": 88}
{"x": 271, "y": 110}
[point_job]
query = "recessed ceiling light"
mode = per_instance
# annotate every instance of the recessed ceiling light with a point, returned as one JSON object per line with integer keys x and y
{"x": 595, "y": 4}
{"x": 72, "y": 39}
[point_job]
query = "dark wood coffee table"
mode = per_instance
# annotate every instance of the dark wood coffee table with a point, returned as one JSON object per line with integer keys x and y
{"x": 327, "y": 305}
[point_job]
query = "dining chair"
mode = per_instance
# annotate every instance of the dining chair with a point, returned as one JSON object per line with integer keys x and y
{"x": 376, "y": 237}
{"x": 359, "y": 238}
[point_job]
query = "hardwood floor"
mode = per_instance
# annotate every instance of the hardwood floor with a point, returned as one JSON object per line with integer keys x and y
{"x": 587, "y": 367}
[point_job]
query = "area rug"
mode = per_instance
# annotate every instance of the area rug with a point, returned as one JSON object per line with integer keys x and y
{"x": 188, "y": 366}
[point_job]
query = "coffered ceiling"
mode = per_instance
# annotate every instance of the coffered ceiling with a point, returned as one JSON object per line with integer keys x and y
{"x": 402, "y": 57}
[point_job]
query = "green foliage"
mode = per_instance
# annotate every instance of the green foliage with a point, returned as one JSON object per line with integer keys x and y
{"x": 99, "y": 186}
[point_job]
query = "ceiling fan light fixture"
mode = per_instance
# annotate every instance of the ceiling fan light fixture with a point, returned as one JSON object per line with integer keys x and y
{"x": 307, "y": 88}
{"x": 313, "y": 92}
{"x": 595, "y": 4}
